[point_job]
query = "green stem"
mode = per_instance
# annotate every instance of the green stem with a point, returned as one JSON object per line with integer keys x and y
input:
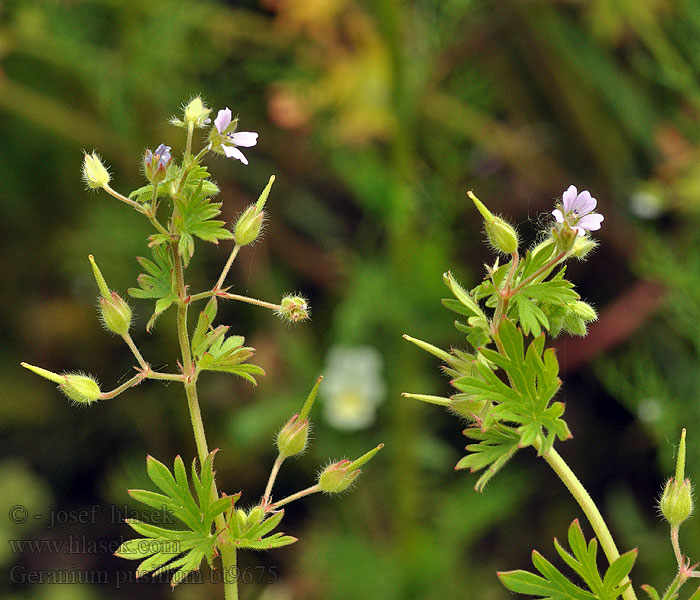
{"x": 504, "y": 295}
{"x": 228, "y": 553}
{"x": 135, "y": 380}
{"x": 227, "y": 267}
{"x": 676, "y": 545}
{"x": 135, "y": 351}
{"x": 306, "y": 492}
{"x": 165, "y": 376}
{"x": 135, "y": 205}
{"x": 552, "y": 263}
{"x": 230, "y": 575}
{"x": 271, "y": 481}
{"x": 249, "y": 300}
{"x": 585, "y": 501}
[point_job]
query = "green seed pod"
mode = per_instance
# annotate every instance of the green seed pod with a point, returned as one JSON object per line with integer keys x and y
{"x": 292, "y": 438}
{"x": 337, "y": 477}
{"x": 82, "y": 389}
{"x": 502, "y": 236}
{"x": 115, "y": 314}
{"x": 248, "y": 226}
{"x": 676, "y": 502}
{"x": 294, "y": 308}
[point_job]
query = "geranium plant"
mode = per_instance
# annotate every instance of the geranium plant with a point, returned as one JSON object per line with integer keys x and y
{"x": 209, "y": 524}
{"x": 504, "y": 388}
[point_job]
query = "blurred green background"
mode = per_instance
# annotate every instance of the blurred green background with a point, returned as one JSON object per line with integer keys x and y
{"x": 376, "y": 117}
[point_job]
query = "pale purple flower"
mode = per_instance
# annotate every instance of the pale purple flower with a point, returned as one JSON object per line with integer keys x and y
{"x": 578, "y": 211}
{"x": 230, "y": 141}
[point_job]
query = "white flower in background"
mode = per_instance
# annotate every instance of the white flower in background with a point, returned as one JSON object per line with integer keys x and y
{"x": 352, "y": 386}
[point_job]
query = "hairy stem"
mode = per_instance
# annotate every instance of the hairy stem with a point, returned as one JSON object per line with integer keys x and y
{"x": 271, "y": 481}
{"x": 135, "y": 351}
{"x": 569, "y": 479}
{"x": 249, "y": 300}
{"x": 227, "y": 267}
{"x": 552, "y": 263}
{"x": 306, "y": 492}
{"x": 228, "y": 553}
{"x": 135, "y": 380}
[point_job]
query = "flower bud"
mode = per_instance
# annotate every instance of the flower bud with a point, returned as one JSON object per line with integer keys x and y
{"x": 583, "y": 245}
{"x": 676, "y": 502}
{"x": 156, "y": 164}
{"x": 196, "y": 113}
{"x": 95, "y": 173}
{"x": 337, "y": 477}
{"x": 584, "y": 310}
{"x": 82, "y": 389}
{"x": 502, "y": 236}
{"x": 294, "y": 308}
{"x": 248, "y": 226}
{"x": 255, "y": 516}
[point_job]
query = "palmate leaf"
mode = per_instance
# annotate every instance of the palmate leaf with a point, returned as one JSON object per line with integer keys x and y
{"x": 227, "y": 354}
{"x": 157, "y": 283}
{"x": 551, "y": 584}
{"x": 182, "y": 550}
{"x": 196, "y": 213}
{"x": 494, "y": 449}
{"x": 526, "y": 400}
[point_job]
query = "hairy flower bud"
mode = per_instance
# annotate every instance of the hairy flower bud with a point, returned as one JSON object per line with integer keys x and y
{"x": 196, "y": 113}
{"x": 294, "y": 308}
{"x": 584, "y": 310}
{"x": 248, "y": 226}
{"x": 95, "y": 173}
{"x": 156, "y": 163}
{"x": 583, "y": 246}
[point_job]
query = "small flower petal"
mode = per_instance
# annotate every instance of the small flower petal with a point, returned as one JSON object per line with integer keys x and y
{"x": 233, "y": 152}
{"x": 584, "y": 203}
{"x": 569, "y": 198}
{"x": 558, "y": 215}
{"x": 244, "y": 138}
{"x": 590, "y": 222}
{"x": 223, "y": 119}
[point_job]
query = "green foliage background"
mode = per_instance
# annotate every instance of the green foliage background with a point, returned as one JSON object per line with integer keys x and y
{"x": 376, "y": 118}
